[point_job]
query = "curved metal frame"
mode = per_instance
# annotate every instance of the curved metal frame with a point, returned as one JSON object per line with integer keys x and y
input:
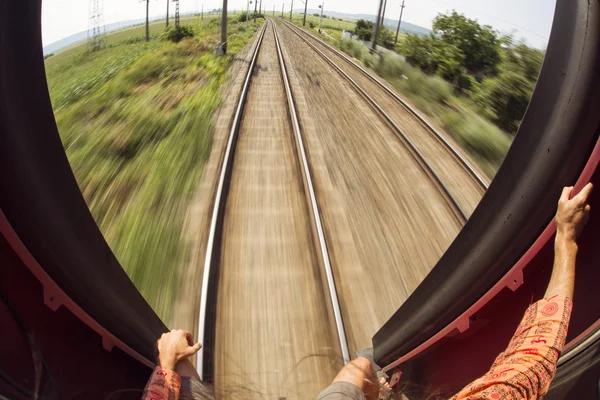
{"x": 42, "y": 201}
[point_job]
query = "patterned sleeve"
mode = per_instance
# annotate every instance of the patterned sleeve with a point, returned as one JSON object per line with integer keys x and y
{"x": 164, "y": 384}
{"x": 525, "y": 370}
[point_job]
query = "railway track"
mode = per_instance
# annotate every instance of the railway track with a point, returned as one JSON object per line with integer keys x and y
{"x": 269, "y": 316}
{"x": 462, "y": 185}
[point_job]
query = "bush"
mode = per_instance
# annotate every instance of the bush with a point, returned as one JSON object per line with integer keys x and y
{"x": 391, "y": 67}
{"x": 176, "y": 34}
{"x": 242, "y": 17}
{"x": 437, "y": 89}
{"x": 311, "y": 25}
{"x": 479, "y": 137}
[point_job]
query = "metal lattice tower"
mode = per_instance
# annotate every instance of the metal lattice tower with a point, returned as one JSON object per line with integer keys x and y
{"x": 96, "y": 28}
{"x": 176, "y": 13}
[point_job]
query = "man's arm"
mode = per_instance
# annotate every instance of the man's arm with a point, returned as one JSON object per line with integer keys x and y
{"x": 173, "y": 347}
{"x": 525, "y": 370}
{"x": 571, "y": 217}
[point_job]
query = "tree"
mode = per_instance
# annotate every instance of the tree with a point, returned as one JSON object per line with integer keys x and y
{"x": 364, "y": 29}
{"x": 505, "y": 97}
{"x": 479, "y": 44}
{"x": 433, "y": 56}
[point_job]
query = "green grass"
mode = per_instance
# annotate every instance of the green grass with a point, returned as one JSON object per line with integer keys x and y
{"x": 135, "y": 120}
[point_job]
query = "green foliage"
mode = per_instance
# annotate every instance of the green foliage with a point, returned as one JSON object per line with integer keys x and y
{"x": 48, "y": 56}
{"x": 480, "y": 45}
{"x": 391, "y": 67}
{"x": 496, "y": 74}
{"x": 386, "y": 38}
{"x": 505, "y": 97}
{"x": 433, "y": 55}
{"x": 479, "y": 137}
{"x": 317, "y": 15}
{"x": 311, "y": 25}
{"x": 364, "y": 30}
{"x": 176, "y": 34}
{"x": 251, "y": 16}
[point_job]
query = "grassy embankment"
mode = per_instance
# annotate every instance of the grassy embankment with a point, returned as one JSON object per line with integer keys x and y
{"x": 333, "y": 27}
{"x": 135, "y": 121}
{"x": 483, "y": 141}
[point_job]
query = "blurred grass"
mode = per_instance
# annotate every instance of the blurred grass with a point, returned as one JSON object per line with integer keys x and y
{"x": 483, "y": 141}
{"x": 135, "y": 121}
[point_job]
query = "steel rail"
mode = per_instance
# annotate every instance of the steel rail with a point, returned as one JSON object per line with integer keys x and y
{"x": 312, "y": 200}
{"x": 428, "y": 126}
{"x": 219, "y": 207}
{"x": 457, "y": 209}
{"x": 582, "y": 346}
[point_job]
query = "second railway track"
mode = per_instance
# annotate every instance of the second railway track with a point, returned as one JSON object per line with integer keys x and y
{"x": 463, "y": 184}
{"x": 269, "y": 314}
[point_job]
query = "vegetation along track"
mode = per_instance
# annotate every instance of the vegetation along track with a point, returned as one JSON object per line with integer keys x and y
{"x": 462, "y": 184}
{"x": 269, "y": 304}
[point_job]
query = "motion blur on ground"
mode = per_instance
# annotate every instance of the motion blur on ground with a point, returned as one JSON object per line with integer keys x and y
{"x": 137, "y": 107}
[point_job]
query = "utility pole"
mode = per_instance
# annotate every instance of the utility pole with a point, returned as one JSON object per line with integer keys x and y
{"x": 202, "y": 14}
{"x": 96, "y": 29}
{"x": 305, "y": 6}
{"x": 147, "y": 20}
{"x": 255, "y": 4}
{"x": 248, "y": 2}
{"x": 383, "y": 14}
{"x": 222, "y": 49}
{"x": 282, "y": 8}
{"x": 322, "y": 6}
{"x": 273, "y": 9}
{"x": 291, "y": 10}
{"x": 376, "y": 33}
{"x": 399, "y": 22}
{"x": 167, "y": 13}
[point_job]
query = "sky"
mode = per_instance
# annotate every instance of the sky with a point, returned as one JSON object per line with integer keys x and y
{"x": 530, "y": 20}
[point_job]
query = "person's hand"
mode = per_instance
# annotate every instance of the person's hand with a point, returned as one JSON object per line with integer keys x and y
{"x": 573, "y": 214}
{"x": 360, "y": 373}
{"x": 174, "y": 346}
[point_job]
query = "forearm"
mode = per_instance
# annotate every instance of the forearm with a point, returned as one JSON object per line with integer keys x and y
{"x": 525, "y": 370}
{"x": 163, "y": 384}
{"x": 562, "y": 281}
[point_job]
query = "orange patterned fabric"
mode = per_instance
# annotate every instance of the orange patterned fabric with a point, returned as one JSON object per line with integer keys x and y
{"x": 164, "y": 384}
{"x": 525, "y": 370}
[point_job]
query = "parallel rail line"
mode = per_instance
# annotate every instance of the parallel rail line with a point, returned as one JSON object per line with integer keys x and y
{"x": 429, "y": 127}
{"x": 207, "y": 311}
{"x": 452, "y": 202}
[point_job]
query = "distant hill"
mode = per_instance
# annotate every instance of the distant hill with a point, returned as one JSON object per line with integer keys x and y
{"x": 406, "y": 27}
{"x": 82, "y": 36}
